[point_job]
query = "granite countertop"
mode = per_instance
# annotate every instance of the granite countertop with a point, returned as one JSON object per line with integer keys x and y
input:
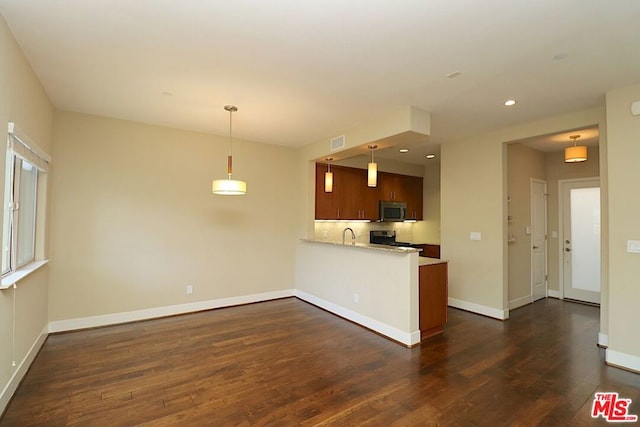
{"x": 387, "y": 248}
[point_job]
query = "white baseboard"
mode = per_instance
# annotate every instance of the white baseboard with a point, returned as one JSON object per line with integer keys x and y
{"x": 406, "y": 338}
{"x": 622, "y": 360}
{"x": 479, "y": 309}
{"x": 519, "y": 302}
{"x": 553, "y": 294}
{"x": 151, "y": 313}
{"x": 21, "y": 370}
{"x": 603, "y": 340}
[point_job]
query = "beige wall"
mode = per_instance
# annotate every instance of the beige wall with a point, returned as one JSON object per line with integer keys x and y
{"x": 23, "y": 101}
{"x": 523, "y": 164}
{"x": 473, "y": 198}
{"x": 623, "y": 153}
{"x": 134, "y": 221}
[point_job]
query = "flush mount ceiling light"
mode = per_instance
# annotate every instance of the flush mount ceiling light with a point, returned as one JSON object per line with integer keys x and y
{"x": 575, "y": 153}
{"x": 430, "y": 156}
{"x": 229, "y": 186}
{"x": 328, "y": 177}
{"x": 510, "y": 102}
{"x": 372, "y": 169}
{"x": 404, "y": 150}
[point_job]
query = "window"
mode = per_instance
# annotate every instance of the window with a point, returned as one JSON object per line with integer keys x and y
{"x": 25, "y": 165}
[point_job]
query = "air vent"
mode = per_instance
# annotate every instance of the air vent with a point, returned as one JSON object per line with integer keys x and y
{"x": 337, "y": 143}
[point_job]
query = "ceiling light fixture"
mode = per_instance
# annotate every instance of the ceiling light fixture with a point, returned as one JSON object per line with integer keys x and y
{"x": 430, "y": 156}
{"x": 372, "y": 169}
{"x": 229, "y": 186}
{"x": 510, "y": 102}
{"x": 575, "y": 153}
{"x": 328, "y": 177}
{"x": 404, "y": 150}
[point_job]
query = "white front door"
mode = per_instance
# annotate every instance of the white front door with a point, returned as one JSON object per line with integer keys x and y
{"x": 581, "y": 239}
{"x": 538, "y": 239}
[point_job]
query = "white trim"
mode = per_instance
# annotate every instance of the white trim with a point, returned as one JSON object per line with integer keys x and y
{"x": 622, "y": 360}
{"x": 552, "y": 293}
{"x": 20, "y": 372}
{"x": 12, "y": 278}
{"x": 151, "y": 313}
{"x": 603, "y": 340}
{"x": 519, "y": 302}
{"x": 406, "y": 338}
{"x": 479, "y": 309}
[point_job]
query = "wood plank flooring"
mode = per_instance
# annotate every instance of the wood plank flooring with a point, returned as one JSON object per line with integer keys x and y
{"x": 288, "y": 363}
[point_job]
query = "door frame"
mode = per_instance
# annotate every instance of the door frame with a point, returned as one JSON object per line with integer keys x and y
{"x": 561, "y": 239}
{"x": 545, "y": 227}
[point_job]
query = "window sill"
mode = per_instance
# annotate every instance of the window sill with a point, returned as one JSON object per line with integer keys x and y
{"x": 12, "y": 278}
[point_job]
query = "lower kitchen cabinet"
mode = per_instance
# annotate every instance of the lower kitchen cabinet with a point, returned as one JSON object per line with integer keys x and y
{"x": 433, "y": 296}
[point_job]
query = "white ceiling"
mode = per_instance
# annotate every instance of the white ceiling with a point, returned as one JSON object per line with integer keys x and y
{"x": 301, "y": 71}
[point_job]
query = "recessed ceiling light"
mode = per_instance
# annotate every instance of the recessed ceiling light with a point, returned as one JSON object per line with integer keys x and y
{"x": 510, "y": 102}
{"x": 404, "y": 150}
{"x": 430, "y": 156}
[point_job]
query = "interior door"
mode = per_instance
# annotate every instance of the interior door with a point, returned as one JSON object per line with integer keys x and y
{"x": 538, "y": 239}
{"x": 581, "y": 239}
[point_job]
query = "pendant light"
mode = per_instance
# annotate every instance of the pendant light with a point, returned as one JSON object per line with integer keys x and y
{"x": 229, "y": 186}
{"x": 328, "y": 177}
{"x": 575, "y": 153}
{"x": 372, "y": 169}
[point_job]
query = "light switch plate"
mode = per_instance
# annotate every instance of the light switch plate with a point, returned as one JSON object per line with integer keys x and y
{"x": 475, "y": 235}
{"x": 633, "y": 246}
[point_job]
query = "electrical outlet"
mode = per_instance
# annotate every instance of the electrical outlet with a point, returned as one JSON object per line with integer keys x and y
{"x": 189, "y": 290}
{"x": 356, "y": 298}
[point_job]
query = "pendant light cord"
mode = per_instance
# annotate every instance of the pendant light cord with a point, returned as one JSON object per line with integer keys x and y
{"x": 231, "y": 109}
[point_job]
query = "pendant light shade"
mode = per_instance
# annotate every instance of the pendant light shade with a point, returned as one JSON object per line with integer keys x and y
{"x": 575, "y": 153}
{"x": 372, "y": 169}
{"x": 328, "y": 177}
{"x": 229, "y": 186}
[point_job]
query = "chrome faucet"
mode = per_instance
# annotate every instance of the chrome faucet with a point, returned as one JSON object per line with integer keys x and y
{"x": 353, "y": 235}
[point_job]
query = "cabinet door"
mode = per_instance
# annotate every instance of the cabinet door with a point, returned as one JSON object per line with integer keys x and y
{"x": 433, "y": 297}
{"x": 391, "y": 187}
{"x": 413, "y": 185}
{"x": 325, "y": 202}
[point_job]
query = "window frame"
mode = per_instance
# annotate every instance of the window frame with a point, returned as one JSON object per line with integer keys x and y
{"x": 20, "y": 151}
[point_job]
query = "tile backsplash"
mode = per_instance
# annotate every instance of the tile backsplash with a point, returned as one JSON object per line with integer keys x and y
{"x": 332, "y": 231}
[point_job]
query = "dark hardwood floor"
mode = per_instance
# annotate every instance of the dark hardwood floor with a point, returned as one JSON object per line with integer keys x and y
{"x": 288, "y": 363}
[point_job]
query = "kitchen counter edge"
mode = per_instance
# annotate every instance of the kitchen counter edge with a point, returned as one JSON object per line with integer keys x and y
{"x": 397, "y": 249}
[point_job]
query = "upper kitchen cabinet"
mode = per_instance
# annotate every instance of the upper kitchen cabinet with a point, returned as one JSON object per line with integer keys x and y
{"x": 414, "y": 198}
{"x": 352, "y": 199}
{"x": 326, "y": 205}
{"x": 391, "y": 186}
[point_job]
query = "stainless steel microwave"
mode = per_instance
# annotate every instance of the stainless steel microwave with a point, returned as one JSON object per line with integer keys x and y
{"x": 392, "y": 211}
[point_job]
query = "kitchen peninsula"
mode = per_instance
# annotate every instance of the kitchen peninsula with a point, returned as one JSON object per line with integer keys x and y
{"x": 376, "y": 286}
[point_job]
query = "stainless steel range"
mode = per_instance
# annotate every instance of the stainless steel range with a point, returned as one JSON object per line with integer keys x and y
{"x": 385, "y": 237}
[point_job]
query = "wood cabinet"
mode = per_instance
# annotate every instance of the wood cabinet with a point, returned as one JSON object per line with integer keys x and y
{"x": 352, "y": 199}
{"x": 428, "y": 250}
{"x": 413, "y": 185}
{"x": 433, "y": 297}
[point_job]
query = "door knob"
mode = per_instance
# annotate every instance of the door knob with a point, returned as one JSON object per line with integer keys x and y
{"x": 535, "y": 247}
{"x": 567, "y": 249}
{"x": 567, "y": 242}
